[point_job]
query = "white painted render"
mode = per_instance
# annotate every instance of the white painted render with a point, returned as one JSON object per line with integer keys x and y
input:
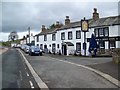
{"x": 31, "y": 39}
{"x": 113, "y": 31}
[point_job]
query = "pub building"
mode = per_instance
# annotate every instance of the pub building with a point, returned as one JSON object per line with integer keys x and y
{"x": 69, "y": 38}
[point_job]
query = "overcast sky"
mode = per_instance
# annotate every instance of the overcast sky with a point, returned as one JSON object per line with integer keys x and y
{"x": 18, "y": 16}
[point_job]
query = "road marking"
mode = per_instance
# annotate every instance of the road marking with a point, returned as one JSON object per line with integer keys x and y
{"x": 27, "y": 74}
{"x": 31, "y": 84}
{"x": 104, "y": 75}
{"x": 18, "y": 83}
{"x": 20, "y": 75}
{"x": 38, "y": 80}
{"x": 25, "y": 68}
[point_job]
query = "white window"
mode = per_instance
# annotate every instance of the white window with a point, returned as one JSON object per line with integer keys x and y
{"x": 78, "y": 34}
{"x": 53, "y": 37}
{"x": 45, "y": 37}
{"x": 63, "y": 36}
{"x": 69, "y": 35}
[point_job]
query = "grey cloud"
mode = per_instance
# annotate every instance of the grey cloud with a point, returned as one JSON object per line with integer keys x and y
{"x": 19, "y": 16}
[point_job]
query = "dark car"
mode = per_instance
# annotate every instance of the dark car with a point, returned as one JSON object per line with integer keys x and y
{"x": 35, "y": 50}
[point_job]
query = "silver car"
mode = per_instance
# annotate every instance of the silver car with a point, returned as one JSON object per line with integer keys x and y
{"x": 26, "y": 49}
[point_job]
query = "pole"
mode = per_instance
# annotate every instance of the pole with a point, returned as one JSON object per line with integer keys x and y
{"x": 29, "y": 34}
{"x": 85, "y": 43}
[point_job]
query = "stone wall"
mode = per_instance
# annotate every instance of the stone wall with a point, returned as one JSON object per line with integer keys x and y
{"x": 116, "y": 55}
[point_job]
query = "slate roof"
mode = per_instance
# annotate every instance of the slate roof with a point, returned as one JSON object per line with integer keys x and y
{"x": 107, "y": 21}
{"x": 47, "y": 32}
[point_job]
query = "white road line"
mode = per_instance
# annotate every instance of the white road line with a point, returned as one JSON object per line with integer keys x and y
{"x": 40, "y": 83}
{"x": 31, "y": 84}
{"x": 18, "y": 83}
{"x": 104, "y": 75}
{"x": 27, "y": 74}
{"x": 20, "y": 75}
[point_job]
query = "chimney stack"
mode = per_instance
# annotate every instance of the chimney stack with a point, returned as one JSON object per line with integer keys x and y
{"x": 57, "y": 24}
{"x": 43, "y": 27}
{"x": 67, "y": 20}
{"x": 95, "y": 14}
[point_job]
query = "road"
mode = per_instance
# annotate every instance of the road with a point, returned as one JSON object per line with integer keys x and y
{"x": 15, "y": 73}
{"x": 55, "y": 73}
{"x": 58, "y": 74}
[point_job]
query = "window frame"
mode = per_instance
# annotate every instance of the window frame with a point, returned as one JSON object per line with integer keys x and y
{"x": 101, "y": 32}
{"x": 63, "y": 33}
{"x": 69, "y": 38}
{"x": 77, "y": 50}
{"x": 37, "y": 38}
{"x": 79, "y": 34}
{"x": 45, "y": 37}
{"x": 53, "y": 37}
{"x": 113, "y": 42}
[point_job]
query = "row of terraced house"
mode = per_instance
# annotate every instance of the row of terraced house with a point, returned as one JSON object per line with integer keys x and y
{"x": 68, "y": 39}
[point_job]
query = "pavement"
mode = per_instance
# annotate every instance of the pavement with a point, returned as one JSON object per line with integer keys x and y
{"x": 103, "y": 64}
{"x": 2, "y": 50}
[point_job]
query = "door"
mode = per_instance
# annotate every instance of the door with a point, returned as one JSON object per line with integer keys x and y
{"x": 53, "y": 48}
{"x": 64, "y": 49}
{"x": 45, "y": 49}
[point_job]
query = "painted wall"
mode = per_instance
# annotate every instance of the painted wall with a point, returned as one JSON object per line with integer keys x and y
{"x": 113, "y": 31}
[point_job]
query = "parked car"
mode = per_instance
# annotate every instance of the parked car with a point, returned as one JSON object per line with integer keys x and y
{"x": 35, "y": 50}
{"x": 23, "y": 47}
{"x": 26, "y": 49}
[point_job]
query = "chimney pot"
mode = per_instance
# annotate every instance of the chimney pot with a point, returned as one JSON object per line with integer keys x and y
{"x": 43, "y": 27}
{"x": 95, "y": 14}
{"x": 57, "y": 24}
{"x": 67, "y": 20}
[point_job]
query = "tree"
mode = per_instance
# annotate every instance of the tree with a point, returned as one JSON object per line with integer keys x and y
{"x": 52, "y": 26}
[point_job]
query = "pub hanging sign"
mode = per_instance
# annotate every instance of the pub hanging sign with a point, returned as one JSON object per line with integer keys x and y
{"x": 84, "y": 25}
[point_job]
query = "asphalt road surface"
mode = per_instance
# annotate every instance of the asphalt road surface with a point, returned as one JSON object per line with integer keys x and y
{"x": 55, "y": 73}
{"x": 15, "y": 73}
{"x": 58, "y": 74}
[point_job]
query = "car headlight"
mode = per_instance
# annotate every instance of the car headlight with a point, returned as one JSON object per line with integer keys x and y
{"x": 32, "y": 50}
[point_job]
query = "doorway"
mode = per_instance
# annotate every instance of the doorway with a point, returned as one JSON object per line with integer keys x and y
{"x": 64, "y": 49}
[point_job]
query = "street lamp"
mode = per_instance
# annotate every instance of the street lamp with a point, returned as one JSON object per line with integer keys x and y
{"x": 84, "y": 28}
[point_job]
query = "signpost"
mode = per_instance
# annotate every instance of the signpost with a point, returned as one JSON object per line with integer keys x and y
{"x": 84, "y": 28}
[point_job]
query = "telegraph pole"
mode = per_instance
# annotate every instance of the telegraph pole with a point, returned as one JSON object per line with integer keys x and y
{"x": 29, "y": 34}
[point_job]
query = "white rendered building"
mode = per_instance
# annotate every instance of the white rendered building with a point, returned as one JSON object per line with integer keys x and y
{"x": 69, "y": 38}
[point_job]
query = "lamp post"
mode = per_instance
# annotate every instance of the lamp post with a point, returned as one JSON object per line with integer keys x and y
{"x": 84, "y": 28}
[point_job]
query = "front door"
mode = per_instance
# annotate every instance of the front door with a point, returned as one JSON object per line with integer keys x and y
{"x": 64, "y": 49}
{"x": 53, "y": 48}
{"x": 45, "y": 49}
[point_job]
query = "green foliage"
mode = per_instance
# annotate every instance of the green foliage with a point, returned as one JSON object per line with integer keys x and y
{"x": 52, "y": 26}
{"x": 8, "y": 43}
